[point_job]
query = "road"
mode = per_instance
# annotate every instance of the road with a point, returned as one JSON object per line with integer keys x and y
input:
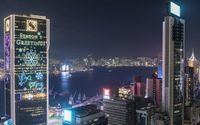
{"x": 54, "y": 121}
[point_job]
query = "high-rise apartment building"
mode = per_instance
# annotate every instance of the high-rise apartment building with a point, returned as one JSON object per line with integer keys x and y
{"x": 138, "y": 89}
{"x": 146, "y": 116}
{"x": 26, "y": 45}
{"x": 189, "y": 85}
{"x": 120, "y": 108}
{"x": 120, "y": 111}
{"x": 154, "y": 90}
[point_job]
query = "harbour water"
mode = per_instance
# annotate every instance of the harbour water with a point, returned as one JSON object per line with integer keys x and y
{"x": 90, "y": 83}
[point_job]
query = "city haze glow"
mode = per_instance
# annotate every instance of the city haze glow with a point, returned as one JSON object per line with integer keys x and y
{"x": 175, "y": 9}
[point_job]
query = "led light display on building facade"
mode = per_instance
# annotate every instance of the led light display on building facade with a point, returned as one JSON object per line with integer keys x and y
{"x": 26, "y": 60}
{"x": 30, "y": 56}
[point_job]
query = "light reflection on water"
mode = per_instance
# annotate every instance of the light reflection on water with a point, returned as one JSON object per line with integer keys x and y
{"x": 90, "y": 83}
{"x": 64, "y": 80}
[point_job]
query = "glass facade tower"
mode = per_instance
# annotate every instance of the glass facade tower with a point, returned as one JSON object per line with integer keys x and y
{"x": 173, "y": 65}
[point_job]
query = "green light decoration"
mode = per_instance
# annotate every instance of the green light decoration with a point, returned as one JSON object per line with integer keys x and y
{"x": 32, "y": 85}
{"x": 25, "y": 81}
{"x": 36, "y": 86}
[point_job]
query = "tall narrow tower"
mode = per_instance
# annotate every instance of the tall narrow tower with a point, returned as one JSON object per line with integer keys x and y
{"x": 173, "y": 64}
{"x": 26, "y": 45}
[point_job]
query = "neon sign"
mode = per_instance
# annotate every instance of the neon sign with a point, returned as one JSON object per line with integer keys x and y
{"x": 106, "y": 94}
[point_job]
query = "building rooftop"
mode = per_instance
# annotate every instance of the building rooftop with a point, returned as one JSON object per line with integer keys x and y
{"x": 85, "y": 110}
{"x": 193, "y": 58}
{"x": 3, "y": 119}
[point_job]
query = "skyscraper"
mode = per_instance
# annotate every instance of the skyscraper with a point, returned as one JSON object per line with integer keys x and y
{"x": 173, "y": 64}
{"x": 146, "y": 116}
{"x": 189, "y": 85}
{"x": 120, "y": 111}
{"x": 149, "y": 88}
{"x": 154, "y": 90}
{"x": 138, "y": 89}
{"x": 26, "y": 45}
{"x": 193, "y": 62}
{"x": 121, "y": 107}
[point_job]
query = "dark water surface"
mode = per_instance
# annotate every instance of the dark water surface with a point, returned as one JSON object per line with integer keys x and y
{"x": 88, "y": 83}
{"x": 91, "y": 83}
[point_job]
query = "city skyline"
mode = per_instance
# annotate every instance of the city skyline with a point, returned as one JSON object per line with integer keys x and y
{"x": 105, "y": 28}
{"x": 100, "y": 62}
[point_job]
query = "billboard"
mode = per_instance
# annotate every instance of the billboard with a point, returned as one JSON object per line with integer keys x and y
{"x": 175, "y": 9}
{"x": 67, "y": 116}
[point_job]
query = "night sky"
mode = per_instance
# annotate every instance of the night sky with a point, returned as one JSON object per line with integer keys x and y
{"x": 105, "y": 28}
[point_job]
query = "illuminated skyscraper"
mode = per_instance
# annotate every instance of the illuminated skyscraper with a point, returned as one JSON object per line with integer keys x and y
{"x": 193, "y": 62}
{"x": 26, "y": 45}
{"x": 173, "y": 64}
{"x": 189, "y": 85}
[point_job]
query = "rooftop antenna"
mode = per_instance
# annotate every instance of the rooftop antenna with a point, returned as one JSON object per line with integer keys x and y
{"x": 192, "y": 51}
